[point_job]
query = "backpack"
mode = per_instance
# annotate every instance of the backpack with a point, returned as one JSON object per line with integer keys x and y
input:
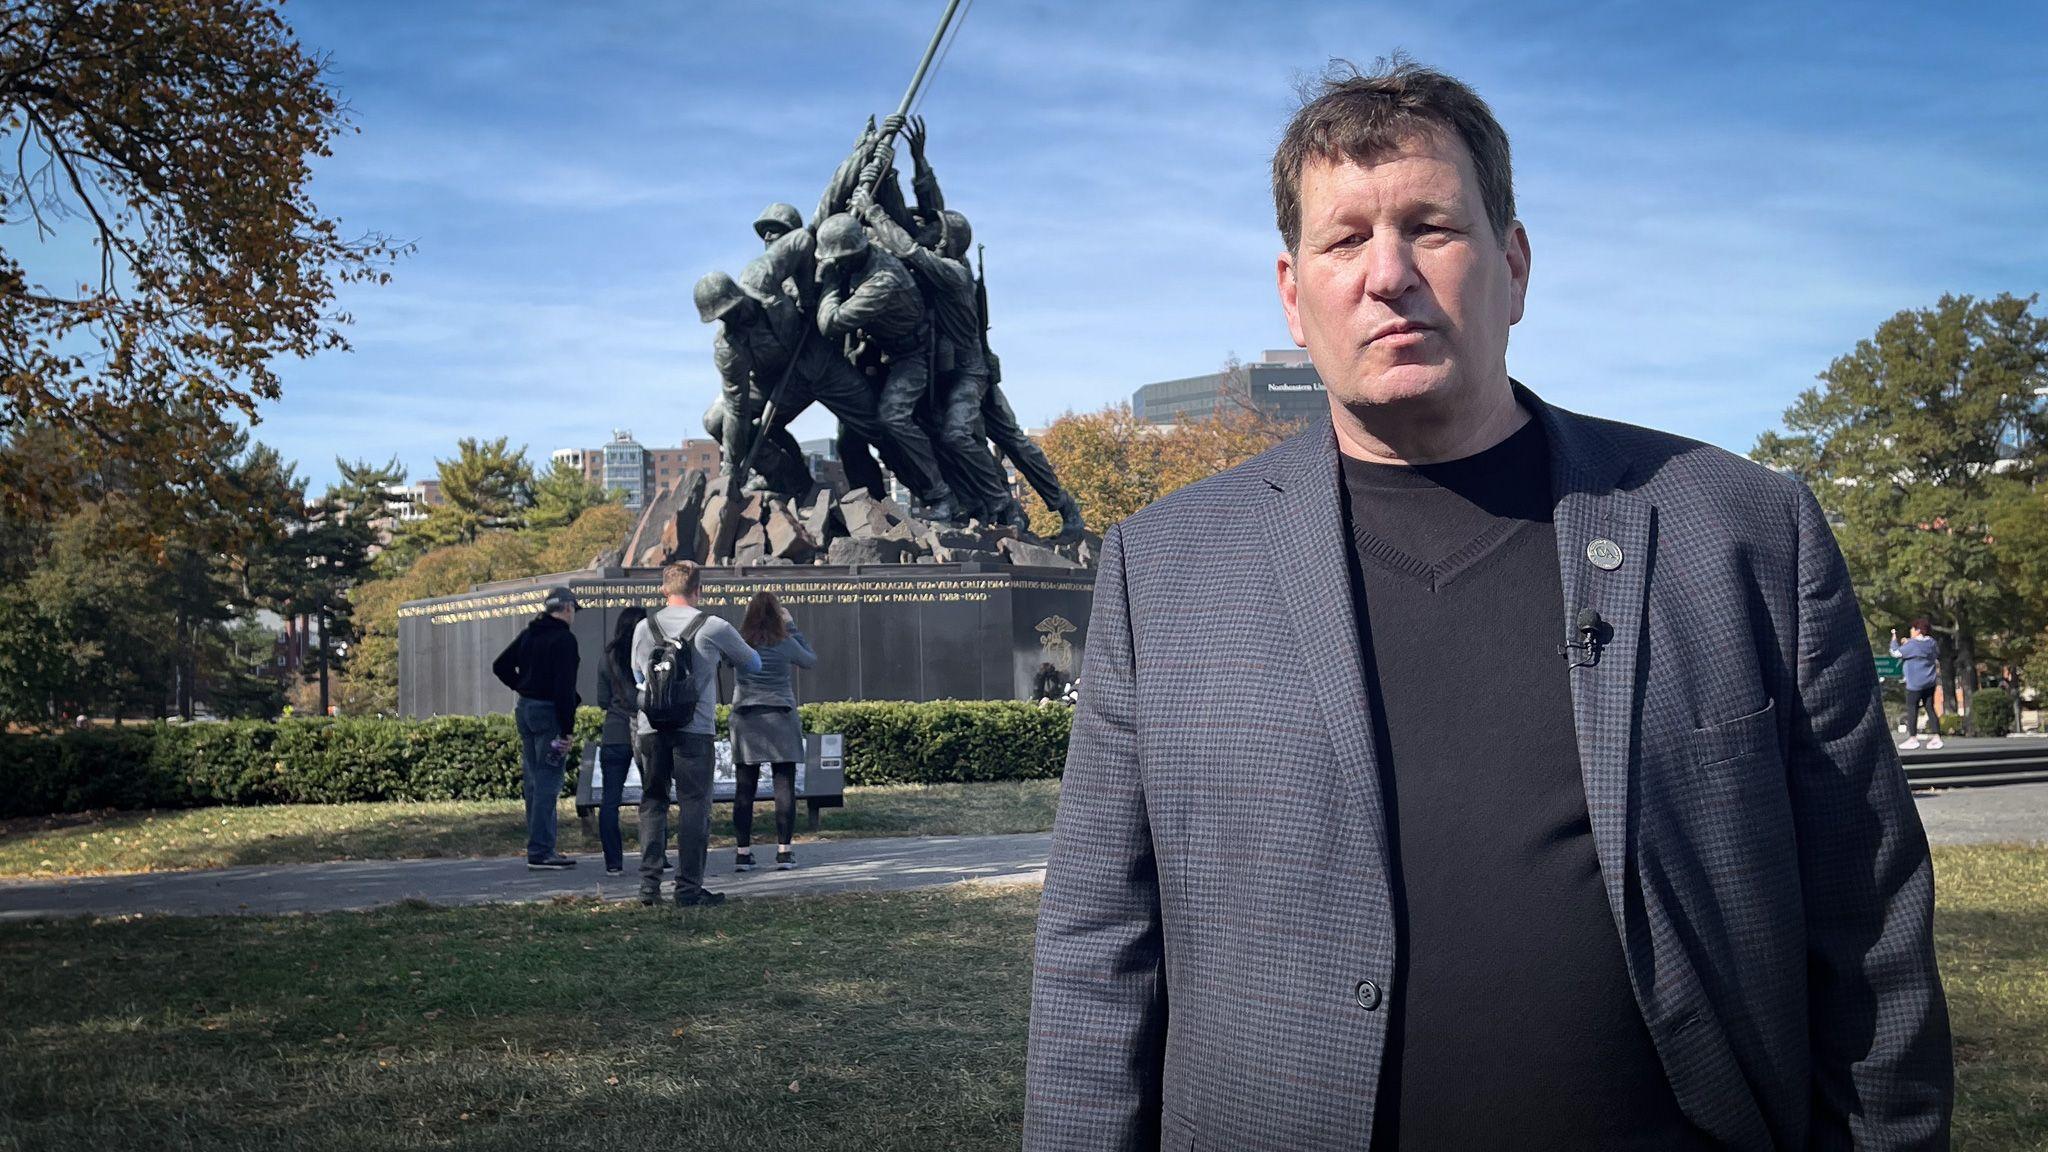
{"x": 669, "y": 698}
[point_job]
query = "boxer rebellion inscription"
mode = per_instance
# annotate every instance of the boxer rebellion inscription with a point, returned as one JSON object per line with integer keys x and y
{"x": 895, "y": 632}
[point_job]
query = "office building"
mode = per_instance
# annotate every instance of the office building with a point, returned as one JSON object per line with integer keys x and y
{"x": 1282, "y": 384}
{"x": 638, "y": 471}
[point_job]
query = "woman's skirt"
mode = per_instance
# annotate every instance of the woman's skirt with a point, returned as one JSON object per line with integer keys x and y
{"x": 766, "y": 733}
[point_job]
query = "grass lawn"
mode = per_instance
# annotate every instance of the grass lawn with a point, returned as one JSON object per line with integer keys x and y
{"x": 1991, "y": 926}
{"x": 86, "y": 843}
{"x": 870, "y": 1022}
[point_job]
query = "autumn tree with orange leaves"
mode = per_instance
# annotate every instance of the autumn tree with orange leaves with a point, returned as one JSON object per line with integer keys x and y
{"x": 159, "y": 248}
{"x": 1115, "y": 465}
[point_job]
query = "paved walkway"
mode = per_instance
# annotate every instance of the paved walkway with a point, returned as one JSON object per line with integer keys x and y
{"x": 826, "y": 866}
{"x": 2004, "y": 814}
{"x": 2013, "y": 813}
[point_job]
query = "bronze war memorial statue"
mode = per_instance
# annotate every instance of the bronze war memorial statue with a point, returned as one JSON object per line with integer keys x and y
{"x": 928, "y": 587}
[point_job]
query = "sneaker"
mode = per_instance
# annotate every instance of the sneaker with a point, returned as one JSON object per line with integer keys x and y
{"x": 743, "y": 862}
{"x": 610, "y": 871}
{"x": 1911, "y": 743}
{"x": 1934, "y": 743}
{"x": 702, "y": 899}
{"x": 550, "y": 863}
{"x": 784, "y": 861}
{"x": 650, "y": 899}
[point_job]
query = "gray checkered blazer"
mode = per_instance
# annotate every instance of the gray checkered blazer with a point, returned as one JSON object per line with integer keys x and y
{"x": 1218, "y": 886}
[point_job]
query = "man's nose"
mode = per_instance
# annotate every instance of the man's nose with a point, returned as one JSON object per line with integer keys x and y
{"x": 1390, "y": 268}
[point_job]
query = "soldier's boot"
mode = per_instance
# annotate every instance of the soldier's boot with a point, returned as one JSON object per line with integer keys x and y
{"x": 1070, "y": 517}
{"x": 942, "y": 511}
{"x": 1011, "y": 514}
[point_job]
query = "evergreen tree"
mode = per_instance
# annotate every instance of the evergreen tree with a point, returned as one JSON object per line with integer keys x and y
{"x": 1919, "y": 444}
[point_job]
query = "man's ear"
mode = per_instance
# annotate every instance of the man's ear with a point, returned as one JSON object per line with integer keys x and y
{"x": 1518, "y": 269}
{"x": 1290, "y": 296}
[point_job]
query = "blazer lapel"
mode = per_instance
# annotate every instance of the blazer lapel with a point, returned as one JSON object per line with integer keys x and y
{"x": 1305, "y": 524}
{"x": 1605, "y": 542}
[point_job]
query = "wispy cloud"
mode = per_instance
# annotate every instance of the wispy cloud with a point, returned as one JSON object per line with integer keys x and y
{"x": 1721, "y": 200}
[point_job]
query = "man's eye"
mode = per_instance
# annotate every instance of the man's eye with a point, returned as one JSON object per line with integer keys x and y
{"x": 1351, "y": 241}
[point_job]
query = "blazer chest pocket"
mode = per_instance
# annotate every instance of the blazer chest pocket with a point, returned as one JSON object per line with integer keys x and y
{"x": 1734, "y": 739}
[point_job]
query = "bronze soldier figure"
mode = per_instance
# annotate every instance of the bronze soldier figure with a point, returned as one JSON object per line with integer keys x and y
{"x": 961, "y": 379}
{"x": 757, "y": 337}
{"x": 867, "y": 293}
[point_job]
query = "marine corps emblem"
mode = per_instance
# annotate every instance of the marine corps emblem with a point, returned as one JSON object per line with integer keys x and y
{"x": 1052, "y": 636}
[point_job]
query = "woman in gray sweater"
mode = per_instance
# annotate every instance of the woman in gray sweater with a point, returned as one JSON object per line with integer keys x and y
{"x": 766, "y": 727}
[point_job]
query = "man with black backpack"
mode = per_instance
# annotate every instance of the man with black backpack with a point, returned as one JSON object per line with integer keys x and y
{"x": 676, "y": 653}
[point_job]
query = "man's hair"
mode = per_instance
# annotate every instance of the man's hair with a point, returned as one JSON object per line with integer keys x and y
{"x": 683, "y": 578}
{"x": 1361, "y": 117}
{"x": 1922, "y": 624}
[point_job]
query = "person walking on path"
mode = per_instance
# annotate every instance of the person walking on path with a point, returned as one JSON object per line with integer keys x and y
{"x": 1920, "y": 656}
{"x": 540, "y": 664}
{"x": 766, "y": 728}
{"x": 619, "y": 697}
{"x": 677, "y": 750}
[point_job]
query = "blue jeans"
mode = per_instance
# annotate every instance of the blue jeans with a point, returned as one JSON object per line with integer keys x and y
{"x": 541, "y": 768}
{"x": 611, "y": 761}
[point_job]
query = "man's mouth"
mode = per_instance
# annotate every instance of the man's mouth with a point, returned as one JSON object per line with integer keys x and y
{"x": 1404, "y": 332}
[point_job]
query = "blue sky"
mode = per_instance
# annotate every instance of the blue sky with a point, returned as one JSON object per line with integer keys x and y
{"x": 1719, "y": 201}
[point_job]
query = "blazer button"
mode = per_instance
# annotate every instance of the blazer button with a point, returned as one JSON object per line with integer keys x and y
{"x": 1368, "y": 994}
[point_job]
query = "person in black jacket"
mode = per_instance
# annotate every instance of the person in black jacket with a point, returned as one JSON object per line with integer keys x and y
{"x": 540, "y": 664}
{"x": 620, "y": 698}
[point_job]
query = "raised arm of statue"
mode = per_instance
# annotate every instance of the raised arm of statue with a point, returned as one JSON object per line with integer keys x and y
{"x": 926, "y": 183}
{"x": 892, "y": 236}
{"x": 846, "y": 177}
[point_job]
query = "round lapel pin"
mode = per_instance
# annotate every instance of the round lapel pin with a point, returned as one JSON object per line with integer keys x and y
{"x": 1605, "y": 555}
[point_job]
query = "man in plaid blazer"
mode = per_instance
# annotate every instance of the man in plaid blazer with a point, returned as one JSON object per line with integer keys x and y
{"x": 1223, "y": 958}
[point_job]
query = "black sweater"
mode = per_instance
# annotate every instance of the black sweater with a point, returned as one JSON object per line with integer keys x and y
{"x": 540, "y": 664}
{"x": 1511, "y": 1018}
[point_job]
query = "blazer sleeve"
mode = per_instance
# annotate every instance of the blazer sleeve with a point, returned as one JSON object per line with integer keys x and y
{"x": 1098, "y": 988}
{"x": 1882, "y": 1069}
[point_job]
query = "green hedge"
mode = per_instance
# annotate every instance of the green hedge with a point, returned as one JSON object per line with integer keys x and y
{"x": 1991, "y": 710}
{"x": 323, "y": 761}
{"x": 944, "y": 741}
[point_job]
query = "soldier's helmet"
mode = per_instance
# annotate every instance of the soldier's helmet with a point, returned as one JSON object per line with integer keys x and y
{"x": 778, "y": 218}
{"x": 717, "y": 295}
{"x": 959, "y": 234}
{"x": 841, "y": 237}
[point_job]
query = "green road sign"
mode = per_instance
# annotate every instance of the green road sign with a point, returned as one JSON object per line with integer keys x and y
{"x": 1890, "y": 668}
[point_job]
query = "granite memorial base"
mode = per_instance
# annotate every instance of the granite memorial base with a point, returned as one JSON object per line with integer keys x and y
{"x": 882, "y": 632}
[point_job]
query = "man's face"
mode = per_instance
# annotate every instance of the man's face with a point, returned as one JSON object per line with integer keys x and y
{"x": 1399, "y": 289}
{"x": 770, "y": 233}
